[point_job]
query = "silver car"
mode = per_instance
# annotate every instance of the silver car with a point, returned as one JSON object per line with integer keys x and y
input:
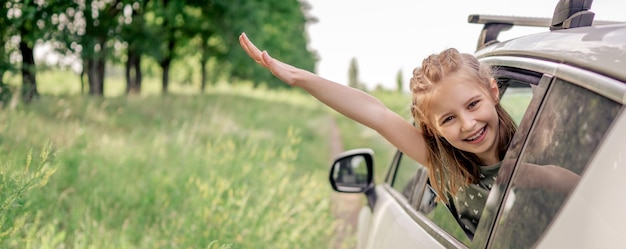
{"x": 566, "y": 86}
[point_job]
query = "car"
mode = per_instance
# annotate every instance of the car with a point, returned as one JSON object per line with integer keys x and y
{"x": 566, "y": 88}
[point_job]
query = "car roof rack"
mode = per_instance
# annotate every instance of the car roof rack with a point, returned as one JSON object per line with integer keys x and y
{"x": 567, "y": 14}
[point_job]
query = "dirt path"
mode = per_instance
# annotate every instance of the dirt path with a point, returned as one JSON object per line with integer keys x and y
{"x": 344, "y": 206}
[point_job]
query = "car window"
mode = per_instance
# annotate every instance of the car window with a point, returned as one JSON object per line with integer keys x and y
{"x": 411, "y": 178}
{"x": 567, "y": 131}
{"x": 516, "y": 89}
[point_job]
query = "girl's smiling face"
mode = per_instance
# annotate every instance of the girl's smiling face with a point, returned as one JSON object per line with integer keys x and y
{"x": 465, "y": 115}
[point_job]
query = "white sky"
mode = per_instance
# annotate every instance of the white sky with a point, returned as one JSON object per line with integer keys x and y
{"x": 391, "y": 35}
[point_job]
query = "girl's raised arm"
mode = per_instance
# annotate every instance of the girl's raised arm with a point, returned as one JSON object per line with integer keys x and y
{"x": 352, "y": 103}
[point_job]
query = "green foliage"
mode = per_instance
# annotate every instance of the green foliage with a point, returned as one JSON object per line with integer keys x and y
{"x": 353, "y": 74}
{"x": 399, "y": 81}
{"x": 275, "y": 25}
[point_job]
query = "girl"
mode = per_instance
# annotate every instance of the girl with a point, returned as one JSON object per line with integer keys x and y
{"x": 461, "y": 132}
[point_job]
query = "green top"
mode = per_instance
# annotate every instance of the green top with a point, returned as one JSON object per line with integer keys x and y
{"x": 470, "y": 200}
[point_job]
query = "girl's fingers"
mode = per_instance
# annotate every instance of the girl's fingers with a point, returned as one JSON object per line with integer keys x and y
{"x": 268, "y": 61}
{"x": 278, "y": 68}
{"x": 251, "y": 49}
{"x": 245, "y": 44}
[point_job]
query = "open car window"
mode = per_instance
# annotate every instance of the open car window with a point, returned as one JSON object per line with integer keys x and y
{"x": 516, "y": 89}
{"x": 411, "y": 179}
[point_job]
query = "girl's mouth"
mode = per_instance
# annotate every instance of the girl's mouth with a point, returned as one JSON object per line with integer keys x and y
{"x": 478, "y": 136}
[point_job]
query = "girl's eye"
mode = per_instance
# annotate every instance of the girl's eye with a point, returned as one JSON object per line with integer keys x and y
{"x": 447, "y": 119}
{"x": 471, "y": 105}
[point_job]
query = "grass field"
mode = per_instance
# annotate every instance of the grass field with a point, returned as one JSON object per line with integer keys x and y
{"x": 234, "y": 167}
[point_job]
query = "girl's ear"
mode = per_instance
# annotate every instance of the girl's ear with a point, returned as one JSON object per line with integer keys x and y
{"x": 495, "y": 91}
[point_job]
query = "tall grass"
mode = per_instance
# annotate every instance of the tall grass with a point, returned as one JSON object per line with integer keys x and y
{"x": 232, "y": 168}
{"x": 15, "y": 183}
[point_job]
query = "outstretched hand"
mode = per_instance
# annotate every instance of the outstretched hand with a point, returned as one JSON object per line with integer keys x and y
{"x": 283, "y": 71}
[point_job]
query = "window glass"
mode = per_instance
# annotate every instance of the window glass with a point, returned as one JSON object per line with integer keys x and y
{"x": 567, "y": 132}
{"x": 516, "y": 100}
{"x": 405, "y": 174}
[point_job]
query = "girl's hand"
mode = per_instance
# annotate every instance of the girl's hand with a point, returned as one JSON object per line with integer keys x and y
{"x": 283, "y": 71}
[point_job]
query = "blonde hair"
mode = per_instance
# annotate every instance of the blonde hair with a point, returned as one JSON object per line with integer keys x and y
{"x": 448, "y": 167}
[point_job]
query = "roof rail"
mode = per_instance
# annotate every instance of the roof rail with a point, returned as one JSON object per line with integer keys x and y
{"x": 567, "y": 14}
{"x": 494, "y": 24}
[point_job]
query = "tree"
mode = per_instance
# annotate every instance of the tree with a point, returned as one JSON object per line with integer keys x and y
{"x": 353, "y": 74}
{"x": 399, "y": 81}
{"x": 276, "y": 24}
{"x": 100, "y": 24}
{"x": 165, "y": 24}
{"x": 202, "y": 30}
{"x": 5, "y": 65}
{"x": 88, "y": 28}
{"x": 29, "y": 21}
{"x": 134, "y": 35}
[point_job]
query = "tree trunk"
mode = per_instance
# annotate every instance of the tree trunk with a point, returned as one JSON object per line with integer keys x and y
{"x": 204, "y": 74}
{"x": 82, "y": 75}
{"x": 165, "y": 64}
{"x": 133, "y": 73}
{"x": 29, "y": 81}
{"x": 95, "y": 73}
{"x": 203, "y": 62}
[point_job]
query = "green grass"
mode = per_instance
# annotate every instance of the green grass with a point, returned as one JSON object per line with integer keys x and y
{"x": 232, "y": 168}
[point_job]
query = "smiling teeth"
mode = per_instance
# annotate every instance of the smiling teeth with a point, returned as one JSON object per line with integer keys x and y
{"x": 480, "y": 133}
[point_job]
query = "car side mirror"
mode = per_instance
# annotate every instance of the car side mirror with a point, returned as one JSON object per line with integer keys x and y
{"x": 352, "y": 171}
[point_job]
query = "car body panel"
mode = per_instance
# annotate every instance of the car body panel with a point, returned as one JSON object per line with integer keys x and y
{"x": 391, "y": 227}
{"x": 362, "y": 231}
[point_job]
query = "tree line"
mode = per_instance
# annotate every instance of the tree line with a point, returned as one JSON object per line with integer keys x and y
{"x": 127, "y": 32}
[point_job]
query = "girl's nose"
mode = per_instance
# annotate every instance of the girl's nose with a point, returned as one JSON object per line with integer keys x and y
{"x": 468, "y": 123}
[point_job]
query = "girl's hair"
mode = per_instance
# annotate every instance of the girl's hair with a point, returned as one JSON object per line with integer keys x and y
{"x": 448, "y": 167}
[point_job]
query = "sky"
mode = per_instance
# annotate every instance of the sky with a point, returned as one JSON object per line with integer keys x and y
{"x": 392, "y": 35}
